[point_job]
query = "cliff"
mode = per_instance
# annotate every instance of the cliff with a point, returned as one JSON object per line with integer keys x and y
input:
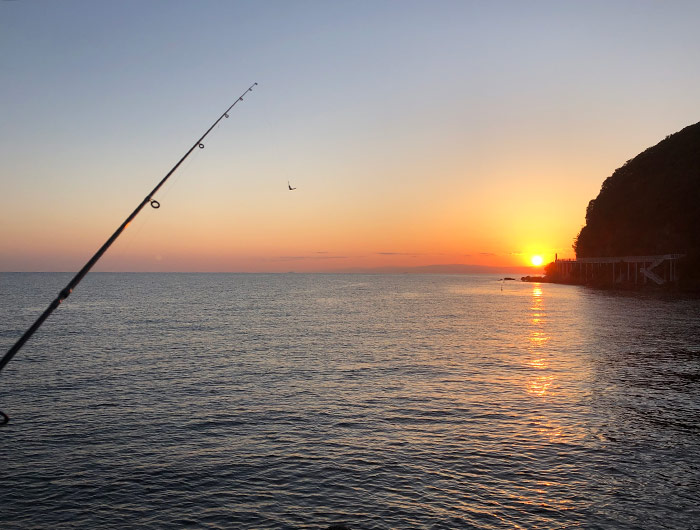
{"x": 650, "y": 206}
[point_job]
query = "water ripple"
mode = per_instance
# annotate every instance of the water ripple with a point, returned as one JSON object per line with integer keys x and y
{"x": 297, "y": 401}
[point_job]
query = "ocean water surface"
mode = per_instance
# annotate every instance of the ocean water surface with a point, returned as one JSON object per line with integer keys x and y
{"x": 382, "y": 402}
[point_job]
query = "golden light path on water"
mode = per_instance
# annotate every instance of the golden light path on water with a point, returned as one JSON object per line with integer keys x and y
{"x": 537, "y": 339}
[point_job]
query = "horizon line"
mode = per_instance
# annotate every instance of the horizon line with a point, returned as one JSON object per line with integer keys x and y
{"x": 418, "y": 269}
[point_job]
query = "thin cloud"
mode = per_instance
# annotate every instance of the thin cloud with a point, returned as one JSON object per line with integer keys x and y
{"x": 304, "y": 258}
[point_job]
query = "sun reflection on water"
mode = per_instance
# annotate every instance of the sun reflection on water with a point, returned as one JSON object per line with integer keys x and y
{"x": 539, "y": 364}
{"x": 540, "y": 384}
{"x": 537, "y": 339}
{"x": 549, "y": 359}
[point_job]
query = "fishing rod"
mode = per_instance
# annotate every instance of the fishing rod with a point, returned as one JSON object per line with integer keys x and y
{"x": 68, "y": 289}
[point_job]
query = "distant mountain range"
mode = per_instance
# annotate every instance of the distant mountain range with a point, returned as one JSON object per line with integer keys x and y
{"x": 445, "y": 269}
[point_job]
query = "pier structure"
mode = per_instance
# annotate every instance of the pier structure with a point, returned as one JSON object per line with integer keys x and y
{"x": 623, "y": 270}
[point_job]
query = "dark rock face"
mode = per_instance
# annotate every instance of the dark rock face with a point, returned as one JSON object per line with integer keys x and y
{"x": 649, "y": 206}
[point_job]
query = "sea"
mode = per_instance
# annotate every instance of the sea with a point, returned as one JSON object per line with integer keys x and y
{"x": 299, "y": 401}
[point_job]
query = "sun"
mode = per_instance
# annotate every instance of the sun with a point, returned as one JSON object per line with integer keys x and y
{"x": 536, "y": 260}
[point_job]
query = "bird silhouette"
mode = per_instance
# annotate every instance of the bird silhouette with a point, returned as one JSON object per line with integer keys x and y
{"x": 290, "y": 186}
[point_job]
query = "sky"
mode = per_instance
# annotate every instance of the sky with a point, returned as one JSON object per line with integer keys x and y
{"x": 416, "y": 133}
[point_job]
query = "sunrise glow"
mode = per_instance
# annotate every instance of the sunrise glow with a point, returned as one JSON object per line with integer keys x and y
{"x": 493, "y": 170}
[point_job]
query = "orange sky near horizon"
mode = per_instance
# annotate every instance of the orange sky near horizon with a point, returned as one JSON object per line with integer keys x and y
{"x": 470, "y": 134}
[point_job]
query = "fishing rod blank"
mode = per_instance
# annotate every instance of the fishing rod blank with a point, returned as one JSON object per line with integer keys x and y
{"x": 66, "y": 291}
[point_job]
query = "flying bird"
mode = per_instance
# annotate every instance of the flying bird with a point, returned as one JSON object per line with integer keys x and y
{"x": 290, "y": 186}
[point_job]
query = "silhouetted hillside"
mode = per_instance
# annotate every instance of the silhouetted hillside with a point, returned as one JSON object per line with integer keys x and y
{"x": 649, "y": 206}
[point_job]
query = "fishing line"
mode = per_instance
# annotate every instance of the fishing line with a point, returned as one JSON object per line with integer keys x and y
{"x": 143, "y": 220}
{"x": 184, "y": 171}
{"x": 120, "y": 250}
{"x": 68, "y": 289}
